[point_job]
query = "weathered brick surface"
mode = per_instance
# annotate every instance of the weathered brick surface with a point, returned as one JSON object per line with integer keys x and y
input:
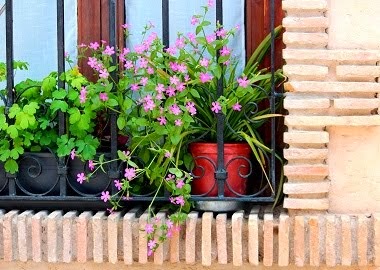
{"x": 362, "y": 240}
{"x": 128, "y": 247}
{"x": 253, "y": 239}
{"x": 143, "y": 241}
{"x": 37, "y": 221}
{"x": 221, "y": 238}
{"x": 311, "y": 204}
{"x": 207, "y": 218}
{"x": 268, "y": 240}
{"x": 306, "y": 137}
{"x": 306, "y": 188}
{"x": 320, "y": 5}
{"x": 314, "y": 235}
{"x": 305, "y": 153}
{"x": 113, "y": 236}
{"x": 23, "y": 235}
{"x": 159, "y": 254}
{"x": 283, "y": 240}
{"x": 83, "y": 245}
{"x": 303, "y": 169}
{"x": 10, "y": 235}
{"x": 346, "y": 240}
{"x": 376, "y": 227}
{"x": 237, "y": 235}
{"x": 358, "y": 73}
{"x": 53, "y": 236}
{"x": 306, "y": 104}
{"x": 356, "y": 103}
{"x": 305, "y": 24}
{"x": 305, "y": 40}
{"x": 323, "y": 121}
{"x": 68, "y": 242}
{"x": 98, "y": 221}
{"x": 332, "y": 87}
{"x": 306, "y": 72}
{"x": 299, "y": 240}
{"x": 191, "y": 224}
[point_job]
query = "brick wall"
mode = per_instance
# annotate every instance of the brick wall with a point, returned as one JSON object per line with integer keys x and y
{"x": 327, "y": 88}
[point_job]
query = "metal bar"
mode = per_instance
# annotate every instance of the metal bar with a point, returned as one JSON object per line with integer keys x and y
{"x": 273, "y": 99}
{"x": 61, "y": 84}
{"x": 2, "y": 9}
{"x": 165, "y": 23}
{"x": 9, "y": 52}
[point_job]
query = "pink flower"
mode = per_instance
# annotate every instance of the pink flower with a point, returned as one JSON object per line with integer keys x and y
{"x": 192, "y": 38}
{"x": 67, "y": 54}
{"x": 190, "y": 106}
{"x": 180, "y": 43}
{"x": 225, "y": 51}
{"x": 118, "y": 184}
{"x": 182, "y": 68}
{"x": 174, "y": 109}
{"x": 204, "y": 62}
{"x": 210, "y": 3}
{"x": 221, "y": 33}
{"x": 171, "y": 50}
{"x": 236, "y": 107}
{"x": 170, "y": 177}
{"x": 143, "y": 63}
{"x": 162, "y": 120}
{"x": 135, "y": 87}
{"x": 83, "y": 93}
{"x": 152, "y": 244}
{"x": 170, "y": 91}
{"x": 92, "y": 62}
{"x": 205, "y": 77}
{"x": 148, "y": 103}
{"x": 82, "y": 45}
{"x": 91, "y": 165}
{"x": 109, "y": 50}
{"x": 160, "y": 88}
{"x": 169, "y": 224}
{"x": 103, "y": 96}
{"x": 103, "y": 73}
{"x": 125, "y": 26}
{"x": 149, "y": 228}
{"x": 128, "y": 64}
{"x": 168, "y": 154}
{"x": 94, "y": 45}
{"x": 72, "y": 154}
{"x": 180, "y": 183}
{"x": 210, "y": 38}
{"x": 179, "y": 200}
{"x": 187, "y": 78}
{"x": 243, "y": 82}
{"x": 139, "y": 49}
{"x": 144, "y": 81}
{"x": 216, "y": 107}
{"x": 150, "y": 70}
{"x": 180, "y": 87}
{"x": 178, "y": 122}
{"x": 130, "y": 173}
{"x": 105, "y": 196}
{"x": 80, "y": 178}
{"x": 194, "y": 20}
{"x": 174, "y": 80}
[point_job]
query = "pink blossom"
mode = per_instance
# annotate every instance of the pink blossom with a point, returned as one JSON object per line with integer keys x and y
{"x": 125, "y": 26}
{"x": 92, "y": 62}
{"x": 210, "y": 38}
{"x": 173, "y": 66}
{"x": 178, "y": 122}
{"x": 162, "y": 120}
{"x": 216, "y": 107}
{"x": 180, "y": 183}
{"x": 160, "y": 88}
{"x": 182, "y": 68}
{"x": 94, "y": 45}
{"x": 174, "y": 109}
{"x": 171, "y": 50}
{"x": 236, "y": 107}
{"x": 143, "y": 63}
{"x": 149, "y": 228}
{"x": 168, "y": 154}
{"x": 148, "y": 103}
{"x": 187, "y": 78}
{"x": 82, "y": 45}
{"x": 109, "y": 50}
{"x": 80, "y": 178}
{"x": 152, "y": 244}
{"x": 150, "y": 70}
{"x": 170, "y": 91}
{"x": 194, "y": 20}
{"x": 83, "y": 93}
{"x": 103, "y": 96}
{"x": 67, "y": 54}
{"x": 128, "y": 64}
{"x": 180, "y": 43}
{"x": 180, "y": 87}
{"x": 179, "y": 200}
{"x": 221, "y": 33}
{"x": 204, "y": 62}
{"x": 103, "y": 73}
{"x": 205, "y": 77}
{"x": 190, "y": 106}
{"x": 130, "y": 173}
{"x": 210, "y": 3}
{"x": 105, "y": 196}
{"x": 192, "y": 37}
{"x": 237, "y": 27}
{"x": 174, "y": 80}
{"x": 170, "y": 177}
{"x": 72, "y": 154}
{"x": 225, "y": 51}
{"x": 91, "y": 165}
{"x": 118, "y": 184}
{"x": 135, "y": 87}
{"x": 103, "y": 41}
{"x": 144, "y": 81}
{"x": 139, "y": 49}
{"x": 169, "y": 224}
{"x": 243, "y": 82}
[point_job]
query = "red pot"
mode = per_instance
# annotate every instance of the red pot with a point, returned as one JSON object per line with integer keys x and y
{"x": 236, "y": 161}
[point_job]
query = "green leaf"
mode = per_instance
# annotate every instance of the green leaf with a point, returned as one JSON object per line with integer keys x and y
{"x": 12, "y": 131}
{"x": 121, "y": 123}
{"x": 31, "y": 108}
{"x": 5, "y": 154}
{"x": 112, "y": 102}
{"x": 194, "y": 93}
{"x": 59, "y": 94}
{"x": 11, "y": 166}
{"x": 48, "y": 84}
{"x": 177, "y": 172}
{"x": 59, "y": 105}
{"x": 74, "y": 115}
{"x": 72, "y": 95}
{"x": 175, "y": 138}
{"x": 14, "y": 154}
{"x": 14, "y": 110}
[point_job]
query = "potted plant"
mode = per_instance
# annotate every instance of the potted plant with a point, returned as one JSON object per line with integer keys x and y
{"x": 165, "y": 99}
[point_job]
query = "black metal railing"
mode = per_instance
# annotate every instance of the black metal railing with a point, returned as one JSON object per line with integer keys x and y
{"x": 28, "y": 188}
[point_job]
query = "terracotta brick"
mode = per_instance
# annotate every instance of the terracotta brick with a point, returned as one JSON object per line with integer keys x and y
{"x": 306, "y": 188}
{"x": 143, "y": 242}
{"x": 362, "y": 240}
{"x": 128, "y": 220}
{"x": 346, "y": 241}
{"x": 237, "y": 235}
{"x": 37, "y": 221}
{"x": 1, "y": 232}
{"x": 253, "y": 242}
{"x": 356, "y": 103}
{"x": 191, "y": 223}
{"x": 268, "y": 240}
{"x": 68, "y": 242}
{"x": 283, "y": 240}
{"x": 305, "y": 24}
{"x": 113, "y": 236}
{"x": 299, "y": 241}
{"x": 305, "y": 40}
{"x": 207, "y": 218}
{"x": 82, "y": 236}
{"x": 23, "y": 235}
{"x": 331, "y": 242}
{"x": 311, "y": 204}
{"x": 361, "y": 73}
{"x": 174, "y": 247}
{"x": 306, "y": 137}
{"x": 53, "y": 237}
{"x": 97, "y": 222}
{"x": 221, "y": 237}
{"x": 314, "y": 234}
{"x": 159, "y": 254}
{"x": 332, "y": 87}
{"x": 322, "y": 121}
{"x": 308, "y": 153}
{"x": 322, "y": 56}
{"x": 319, "y": 5}
{"x": 306, "y": 104}
{"x": 314, "y": 170}
{"x": 376, "y": 229}
{"x": 306, "y": 72}
{"x": 10, "y": 235}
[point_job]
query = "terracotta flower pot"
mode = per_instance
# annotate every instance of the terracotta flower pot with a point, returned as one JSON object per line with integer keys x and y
{"x": 237, "y": 164}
